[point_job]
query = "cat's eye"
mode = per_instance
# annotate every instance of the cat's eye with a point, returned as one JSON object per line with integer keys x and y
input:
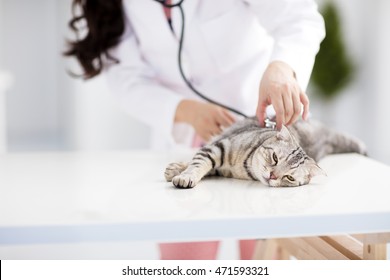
{"x": 275, "y": 158}
{"x": 290, "y": 178}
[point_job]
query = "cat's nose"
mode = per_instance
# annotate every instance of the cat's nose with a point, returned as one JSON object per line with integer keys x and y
{"x": 272, "y": 176}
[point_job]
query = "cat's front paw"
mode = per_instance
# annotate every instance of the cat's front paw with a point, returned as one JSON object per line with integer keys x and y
{"x": 184, "y": 181}
{"x": 174, "y": 169}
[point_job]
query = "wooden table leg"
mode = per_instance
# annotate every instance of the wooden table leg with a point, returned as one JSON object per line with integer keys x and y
{"x": 343, "y": 247}
{"x": 374, "y": 245}
{"x": 374, "y": 251}
{"x": 265, "y": 249}
{"x": 269, "y": 249}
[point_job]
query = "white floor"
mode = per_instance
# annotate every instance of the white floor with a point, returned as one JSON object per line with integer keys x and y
{"x": 107, "y": 251}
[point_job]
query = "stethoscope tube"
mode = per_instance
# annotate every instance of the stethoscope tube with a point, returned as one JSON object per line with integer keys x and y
{"x": 181, "y": 40}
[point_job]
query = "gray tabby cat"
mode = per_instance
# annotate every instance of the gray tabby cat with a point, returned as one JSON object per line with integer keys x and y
{"x": 283, "y": 158}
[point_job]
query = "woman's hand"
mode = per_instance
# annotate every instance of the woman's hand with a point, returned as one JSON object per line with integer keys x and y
{"x": 280, "y": 88}
{"x": 207, "y": 119}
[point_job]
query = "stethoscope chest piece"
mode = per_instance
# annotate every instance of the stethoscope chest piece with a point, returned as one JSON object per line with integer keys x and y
{"x": 269, "y": 124}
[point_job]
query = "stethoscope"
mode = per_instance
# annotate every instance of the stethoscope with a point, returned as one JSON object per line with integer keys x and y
{"x": 179, "y": 58}
{"x": 268, "y": 123}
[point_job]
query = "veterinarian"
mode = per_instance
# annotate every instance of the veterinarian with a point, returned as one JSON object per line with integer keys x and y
{"x": 245, "y": 54}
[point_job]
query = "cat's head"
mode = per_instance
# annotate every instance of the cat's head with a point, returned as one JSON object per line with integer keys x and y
{"x": 281, "y": 162}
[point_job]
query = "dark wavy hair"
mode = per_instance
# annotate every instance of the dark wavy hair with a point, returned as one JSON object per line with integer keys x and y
{"x": 105, "y": 26}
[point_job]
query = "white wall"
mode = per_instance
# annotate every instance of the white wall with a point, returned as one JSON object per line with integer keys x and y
{"x": 49, "y": 110}
{"x": 46, "y": 108}
{"x": 90, "y": 118}
{"x": 30, "y": 54}
{"x": 361, "y": 109}
{"x": 381, "y": 102}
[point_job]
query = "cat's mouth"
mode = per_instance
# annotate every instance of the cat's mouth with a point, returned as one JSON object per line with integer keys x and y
{"x": 267, "y": 181}
{"x": 270, "y": 182}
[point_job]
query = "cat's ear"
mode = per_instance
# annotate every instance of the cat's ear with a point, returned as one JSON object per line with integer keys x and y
{"x": 315, "y": 170}
{"x": 283, "y": 134}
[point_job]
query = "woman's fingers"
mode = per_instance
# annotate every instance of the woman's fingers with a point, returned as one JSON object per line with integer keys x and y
{"x": 297, "y": 106}
{"x": 224, "y": 118}
{"x": 229, "y": 117}
{"x": 261, "y": 109}
{"x": 305, "y": 101}
{"x": 288, "y": 105}
{"x": 277, "y": 102}
{"x": 280, "y": 88}
{"x": 212, "y": 131}
{"x": 208, "y": 119}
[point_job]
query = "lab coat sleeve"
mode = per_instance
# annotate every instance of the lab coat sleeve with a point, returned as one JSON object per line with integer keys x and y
{"x": 297, "y": 29}
{"x": 133, "y": 82}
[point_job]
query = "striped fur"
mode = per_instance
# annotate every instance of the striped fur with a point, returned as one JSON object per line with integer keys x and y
{"x": 276, "y": 158}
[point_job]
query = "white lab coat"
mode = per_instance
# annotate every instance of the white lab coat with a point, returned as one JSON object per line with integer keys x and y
{"x": 227, "y": 46}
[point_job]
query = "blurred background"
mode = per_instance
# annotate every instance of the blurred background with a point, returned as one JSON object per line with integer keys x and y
{"x": 45, "y": 109}
{"x": 42, "y": 108}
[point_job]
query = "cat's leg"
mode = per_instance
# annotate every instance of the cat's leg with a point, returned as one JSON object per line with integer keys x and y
{"x": 203, "y": 163}
{"x": 174, "y": 169}
{"x": 336, "y": 142}
{"x": 318, "y": 140}
{"x": 344, "y": 143}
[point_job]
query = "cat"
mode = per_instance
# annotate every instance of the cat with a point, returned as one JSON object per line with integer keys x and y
{"x": 285, "y": 158}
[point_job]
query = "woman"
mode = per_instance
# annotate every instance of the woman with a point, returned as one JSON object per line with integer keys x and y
{"x": 246, "y": 54}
